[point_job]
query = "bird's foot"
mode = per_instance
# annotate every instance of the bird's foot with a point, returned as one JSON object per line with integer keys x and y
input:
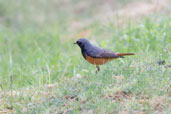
{"x": 98, "y": 69}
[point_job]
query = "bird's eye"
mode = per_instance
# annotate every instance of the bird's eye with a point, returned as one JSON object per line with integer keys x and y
{"x": 79, "y": 43}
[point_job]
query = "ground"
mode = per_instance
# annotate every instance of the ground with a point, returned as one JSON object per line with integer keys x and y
{"x": 41, "y": 71}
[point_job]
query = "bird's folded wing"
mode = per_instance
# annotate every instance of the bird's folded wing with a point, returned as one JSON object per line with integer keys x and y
{"x": 104, "y": 54}
{"x": 97, "y": 52}
{"x": 108, "y": 55}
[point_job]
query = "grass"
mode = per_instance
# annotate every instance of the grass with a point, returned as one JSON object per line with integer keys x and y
{"x": 41, "y": 71}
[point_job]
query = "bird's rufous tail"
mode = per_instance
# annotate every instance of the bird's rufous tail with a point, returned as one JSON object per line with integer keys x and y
{"x": 125, "y": 54}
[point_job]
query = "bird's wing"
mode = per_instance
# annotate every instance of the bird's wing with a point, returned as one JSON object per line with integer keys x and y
{"x": 109, "y": 54}
{"x": 102, "y": 53}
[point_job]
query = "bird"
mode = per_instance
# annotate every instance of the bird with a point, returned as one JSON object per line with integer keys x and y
{"x": 96, "y": 55}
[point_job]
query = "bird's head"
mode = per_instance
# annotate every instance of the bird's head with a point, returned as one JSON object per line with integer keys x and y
{"x": 82, "y": 42}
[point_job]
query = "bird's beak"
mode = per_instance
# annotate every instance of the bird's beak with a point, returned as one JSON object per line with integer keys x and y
{"x": 75, "y": 43}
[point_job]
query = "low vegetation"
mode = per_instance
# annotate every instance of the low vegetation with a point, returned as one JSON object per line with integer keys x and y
{"x": 41, "y": 71}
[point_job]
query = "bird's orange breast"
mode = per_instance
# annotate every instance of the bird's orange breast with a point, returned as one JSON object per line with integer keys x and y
{"x": 98, "y": 61}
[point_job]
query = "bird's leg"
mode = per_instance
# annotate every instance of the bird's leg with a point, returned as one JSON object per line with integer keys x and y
{"x": 98, "y": 68}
